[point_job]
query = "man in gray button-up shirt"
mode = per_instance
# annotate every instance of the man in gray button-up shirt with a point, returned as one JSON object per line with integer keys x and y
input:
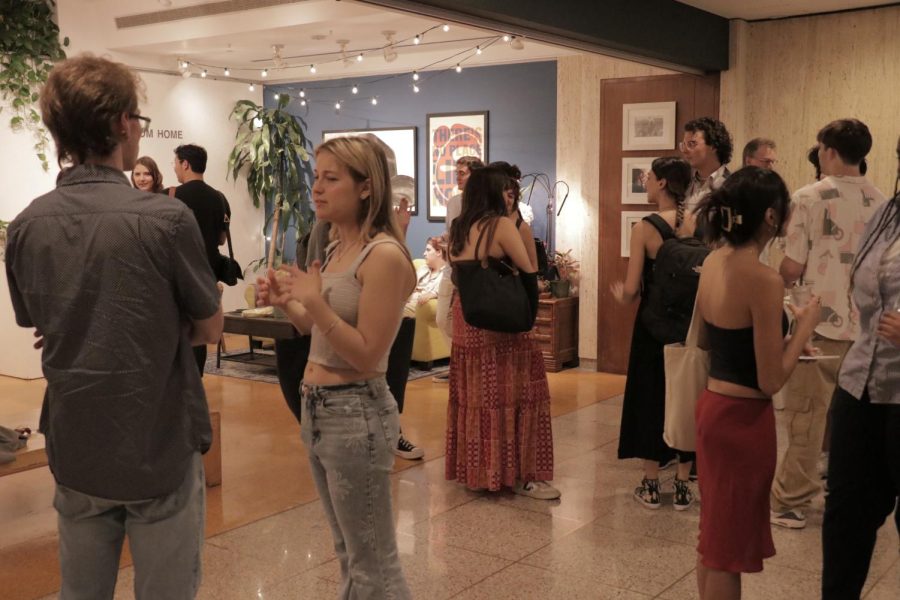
{"x": 118, "y": 283}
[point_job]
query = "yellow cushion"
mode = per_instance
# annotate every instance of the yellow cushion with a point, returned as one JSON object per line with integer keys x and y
{"x": 429, "y": 343}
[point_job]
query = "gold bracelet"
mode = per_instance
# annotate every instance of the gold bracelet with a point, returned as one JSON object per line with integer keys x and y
{"x": 332, "y": 326}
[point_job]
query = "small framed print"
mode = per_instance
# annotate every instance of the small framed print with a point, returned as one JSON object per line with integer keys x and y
{"x": 634, "y": 179}
{"x": 630, "y": 218}
{"x": 450, "y": 137}
{"x": 648, "y": 126}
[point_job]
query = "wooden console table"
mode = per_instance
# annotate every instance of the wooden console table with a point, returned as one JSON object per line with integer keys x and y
{"x": 266, "y": 327}
{"x": 556, "y": 331}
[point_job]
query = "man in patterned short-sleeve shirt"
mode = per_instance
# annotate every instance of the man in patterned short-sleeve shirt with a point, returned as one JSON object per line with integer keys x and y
{"x": 826, "y": 223}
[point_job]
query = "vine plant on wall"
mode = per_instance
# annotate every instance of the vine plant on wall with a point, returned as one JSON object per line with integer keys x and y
{"x": 29, "y": 46}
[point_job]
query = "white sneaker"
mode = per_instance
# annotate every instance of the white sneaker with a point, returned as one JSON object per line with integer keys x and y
{"x": 539, "y": 490}
{"x": 408, "y": 450}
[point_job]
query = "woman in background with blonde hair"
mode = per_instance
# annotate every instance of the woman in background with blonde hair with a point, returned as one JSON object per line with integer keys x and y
{"x": 352, "y": 305}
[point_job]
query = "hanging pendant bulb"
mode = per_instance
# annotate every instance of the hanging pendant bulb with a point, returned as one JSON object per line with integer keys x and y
{"x": 355, "y": 89}
{"x": 227, "y": 72}
{"x": 265, "y": 73}
{"x": 251, "y": 87}
{"x": 458, "y": 68}
{"x": 374, "y": 101}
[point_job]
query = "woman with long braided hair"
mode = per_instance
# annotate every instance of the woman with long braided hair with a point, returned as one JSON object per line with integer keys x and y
{"x": 643, "y": 410}
{"x": 864, "y": 464}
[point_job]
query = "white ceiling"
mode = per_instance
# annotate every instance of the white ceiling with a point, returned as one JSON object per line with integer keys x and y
{"x": 768, "y": 9}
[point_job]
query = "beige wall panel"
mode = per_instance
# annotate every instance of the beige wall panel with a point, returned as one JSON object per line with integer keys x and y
{"x": 577, "y": 163}
{"x": 802, "y": 73}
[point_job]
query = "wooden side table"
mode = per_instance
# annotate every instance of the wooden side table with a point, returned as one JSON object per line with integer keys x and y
{"x": 556, "y": 331}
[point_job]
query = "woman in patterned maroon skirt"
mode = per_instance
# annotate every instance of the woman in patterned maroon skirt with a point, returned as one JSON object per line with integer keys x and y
{"x": 498, "y": 416}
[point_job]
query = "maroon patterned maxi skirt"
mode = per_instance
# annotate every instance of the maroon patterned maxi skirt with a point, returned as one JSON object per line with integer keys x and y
{"x": 498, "y": 416}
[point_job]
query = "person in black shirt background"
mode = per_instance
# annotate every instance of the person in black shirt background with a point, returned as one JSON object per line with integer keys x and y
{"x": 209, "y": 206}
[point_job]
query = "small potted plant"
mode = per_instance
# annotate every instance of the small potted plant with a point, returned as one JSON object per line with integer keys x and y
{"x": 567, "y": 268}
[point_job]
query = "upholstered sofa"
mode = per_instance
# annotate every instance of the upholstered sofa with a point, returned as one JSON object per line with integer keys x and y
{"x": 429, "y": 343}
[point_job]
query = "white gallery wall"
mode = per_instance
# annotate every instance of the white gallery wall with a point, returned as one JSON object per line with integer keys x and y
{"x": 183, "y": 111}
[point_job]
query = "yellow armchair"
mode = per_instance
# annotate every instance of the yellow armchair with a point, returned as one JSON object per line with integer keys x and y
{"x": 430, "y": 343}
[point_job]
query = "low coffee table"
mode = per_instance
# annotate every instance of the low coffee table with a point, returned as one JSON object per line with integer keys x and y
{"x": 277, "y": 328}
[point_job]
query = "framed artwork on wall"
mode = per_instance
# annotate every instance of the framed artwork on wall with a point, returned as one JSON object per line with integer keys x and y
{"x": 648, "y": 126}
{"x": 630, "y": 218}
{"x": 634, "y": 179}
{"x": 402, "y": 153}
{"x": 450, "y": 137}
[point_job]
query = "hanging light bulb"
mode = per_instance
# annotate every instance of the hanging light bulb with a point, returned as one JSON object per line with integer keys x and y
{"x": 359, "y": 57}
{"x": 227, "y": 72}
{"x": 302, "y": 102}
{"x": 203, "y": 74}
{"x": 517, "y": 43}
{"x": 458, "y": 68}
{"x": 417, "y": 40}
{"x": 276, "y": 95}
{"x": 415, "y": 75}
{"x": 251, "y": 87}
{"x": 355, "y": 89}
{"x": 337, "y": 106}
{"x": 477, "y": 49}
{"x": 505, "y": 37}
{"x": 374, "y": 101}
{"x": 415, "y": 88}
{"x": 303, "y": 93}
{"x": 446, "y": 28}
{"x": 264, "y": 73}
{"x": 182, "y": 64}
{"x": 312, "y": 68}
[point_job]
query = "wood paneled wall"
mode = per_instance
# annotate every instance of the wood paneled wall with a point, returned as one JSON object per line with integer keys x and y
{"x": 790, "y": 77}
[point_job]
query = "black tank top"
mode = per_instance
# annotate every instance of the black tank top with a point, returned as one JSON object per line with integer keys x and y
{"x": 732, "y": 357}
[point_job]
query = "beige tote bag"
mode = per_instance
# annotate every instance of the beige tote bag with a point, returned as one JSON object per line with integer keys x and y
{"x": 687, "y": 369}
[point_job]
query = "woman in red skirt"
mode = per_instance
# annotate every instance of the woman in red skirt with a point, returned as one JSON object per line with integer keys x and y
{"x": 740, "y": 303}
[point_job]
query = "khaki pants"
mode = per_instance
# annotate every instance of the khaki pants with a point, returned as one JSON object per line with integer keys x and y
{"x": 806, "y": 396}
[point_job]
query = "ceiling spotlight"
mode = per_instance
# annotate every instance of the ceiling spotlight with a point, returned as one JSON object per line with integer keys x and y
{"x": 203, "y": 74}
{"x": 446, "y": 28}
{"x": 359, "y": 57}
{"x": 264, "y": 73}
{"x": 415, "y": 88}
{"x": 390, "y": 51}
{"x": 302, "y": 102}
{"x": 227, "y": 72}
{"x": 374, "y": 101}
{"x": 251, "y": 87}
{"x": 505, "y": 37}
{"x": 517, "y": 43}
{"x": 337, "y": 106}
{"x": 303, "y": 93}
{"x": 276, "y": 95}
{"x": 477, "y": 49}
{"x": 417, "y": 40}
{"x": 415, "y": 75}
{"x": 355, "y": 89}
{"x": 182, "y": 64}
{"x": 312, "y": 69}
{"x": 458, "y": 68}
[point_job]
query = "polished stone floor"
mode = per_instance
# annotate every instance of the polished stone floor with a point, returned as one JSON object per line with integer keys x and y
{"x": 267, "y": 537}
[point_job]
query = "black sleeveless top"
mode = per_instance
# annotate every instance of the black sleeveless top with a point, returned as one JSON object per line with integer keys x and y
{"x": 732, "y": 357}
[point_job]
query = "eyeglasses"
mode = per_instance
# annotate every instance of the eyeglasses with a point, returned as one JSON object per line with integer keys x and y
{"x": 768, "y": 162}
{"x": 145, "y": 121}
{"x": 687, "y": 145}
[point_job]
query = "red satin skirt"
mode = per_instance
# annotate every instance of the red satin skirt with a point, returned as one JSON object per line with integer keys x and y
{"x": 736, "y": 455}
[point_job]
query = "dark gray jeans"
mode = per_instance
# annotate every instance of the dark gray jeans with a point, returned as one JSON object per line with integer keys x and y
{"x": 165, "y": 536}
{"x": 349, "y": 432}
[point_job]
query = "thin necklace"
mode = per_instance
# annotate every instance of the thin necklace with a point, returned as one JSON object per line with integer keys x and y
{"x": 342, "y": 251}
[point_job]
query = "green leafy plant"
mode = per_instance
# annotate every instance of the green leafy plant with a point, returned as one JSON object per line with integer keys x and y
{"x": 566, "y": 265}
{"x": 272, "y": 148}
{"x": 29, "y": 46}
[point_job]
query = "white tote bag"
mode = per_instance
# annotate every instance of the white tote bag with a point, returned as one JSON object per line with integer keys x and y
{"x": 687, "y": 369}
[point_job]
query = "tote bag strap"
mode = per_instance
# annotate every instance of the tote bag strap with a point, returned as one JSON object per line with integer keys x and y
{"x": 489, "y": 228}
{"x": 695, "y": 331}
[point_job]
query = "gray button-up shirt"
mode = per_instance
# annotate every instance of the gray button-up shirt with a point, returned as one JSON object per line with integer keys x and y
{"x": 873, "y": 361}
{"x": 111, "y": 275}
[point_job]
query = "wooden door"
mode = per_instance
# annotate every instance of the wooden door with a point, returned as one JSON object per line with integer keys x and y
{"x": 695, "y": 96}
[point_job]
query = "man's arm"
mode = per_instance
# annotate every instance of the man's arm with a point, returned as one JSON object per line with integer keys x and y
{"x": 226, "y": 220}
{"x": 208, "y": 331}
{"x": 790, "y": 271}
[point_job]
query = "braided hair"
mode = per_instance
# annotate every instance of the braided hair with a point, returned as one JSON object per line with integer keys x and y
{"x": 677, "y": 174}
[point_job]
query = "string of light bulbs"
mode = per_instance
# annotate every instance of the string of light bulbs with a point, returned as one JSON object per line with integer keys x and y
{"x": 515, "y": 42}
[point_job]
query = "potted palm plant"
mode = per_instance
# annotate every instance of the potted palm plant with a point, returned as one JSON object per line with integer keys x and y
{"x": 271, "y": 147}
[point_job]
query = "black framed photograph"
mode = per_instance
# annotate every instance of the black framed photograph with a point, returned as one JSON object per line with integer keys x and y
{"x": 450, "y": 137}
{"x": 400, "y": 146}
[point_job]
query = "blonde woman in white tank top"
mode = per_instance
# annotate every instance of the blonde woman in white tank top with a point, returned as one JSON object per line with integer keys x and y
{"x": 352, "y": 306}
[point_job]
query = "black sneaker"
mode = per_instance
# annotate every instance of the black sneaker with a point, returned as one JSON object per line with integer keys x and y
{"x": 648, "y": 493}
{"x": 684, "y": 497}
{"x": 408, "y": 450}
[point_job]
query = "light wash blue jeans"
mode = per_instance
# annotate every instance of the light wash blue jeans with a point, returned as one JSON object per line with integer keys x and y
{"x": 349, "y": 432}
{"x": 165, "y": 536}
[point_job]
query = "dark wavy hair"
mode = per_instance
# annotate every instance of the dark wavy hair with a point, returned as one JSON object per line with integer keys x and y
{"x": 849, "y": 137}
{"x": 81, "y": 102}
{"x": 195, "y": 156}
{"x": 813, "y": 157}
{"x": 715, "y": 134}
{"x": 737, "y": 210}
{"x": 676, "y": 172}
{"x": 482, "y": 200}
{"x": 514, "y": 174}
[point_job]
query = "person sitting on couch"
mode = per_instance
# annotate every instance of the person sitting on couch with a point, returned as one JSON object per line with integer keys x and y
{"x": 428, "y": 276}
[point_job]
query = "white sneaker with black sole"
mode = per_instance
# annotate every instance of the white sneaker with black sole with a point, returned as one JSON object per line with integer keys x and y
{"x": 408, "y": 450}
{"x": 792, "y": 519}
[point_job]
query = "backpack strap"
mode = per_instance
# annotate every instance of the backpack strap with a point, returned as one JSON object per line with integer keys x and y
{"x": 664, "y": 229}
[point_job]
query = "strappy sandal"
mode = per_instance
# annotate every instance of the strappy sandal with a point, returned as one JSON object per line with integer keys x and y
{"x": 24, "y": 432}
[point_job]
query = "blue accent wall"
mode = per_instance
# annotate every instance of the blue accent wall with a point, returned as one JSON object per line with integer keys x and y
{"x": 520, "y": 99}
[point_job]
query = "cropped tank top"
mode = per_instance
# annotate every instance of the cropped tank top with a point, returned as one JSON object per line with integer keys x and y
{"x": 732, "y": 356}
{"x": 341, "y": 292}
